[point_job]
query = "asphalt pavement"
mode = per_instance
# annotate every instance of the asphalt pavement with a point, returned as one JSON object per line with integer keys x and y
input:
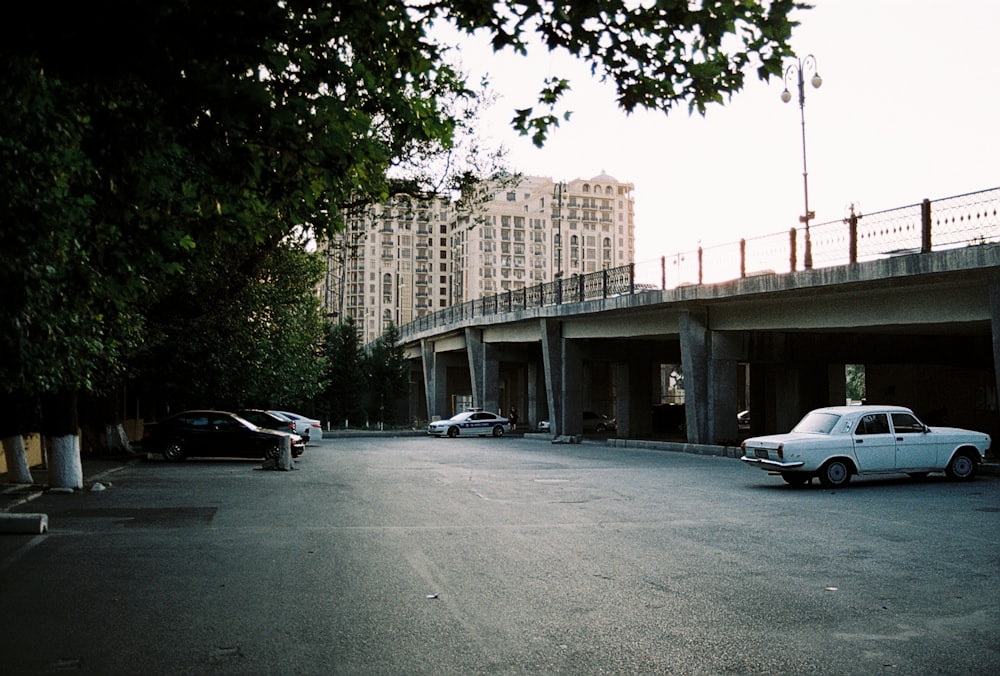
{"x": 380, "y": 554}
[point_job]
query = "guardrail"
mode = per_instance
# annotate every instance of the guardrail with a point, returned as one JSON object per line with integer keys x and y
{"x": 952, "y": 222}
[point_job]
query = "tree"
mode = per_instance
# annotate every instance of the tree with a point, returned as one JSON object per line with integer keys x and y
{"x": 134, "y": 149}
{"x": 344, "y": 374}
{"x": 239, "y": 338}
{"x": 386, "y": 375}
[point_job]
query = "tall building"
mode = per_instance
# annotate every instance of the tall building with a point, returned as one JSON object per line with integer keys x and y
{"x": 411, "y": 256}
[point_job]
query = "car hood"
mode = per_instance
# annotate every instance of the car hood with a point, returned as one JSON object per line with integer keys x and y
{"x": 957, "y": 430}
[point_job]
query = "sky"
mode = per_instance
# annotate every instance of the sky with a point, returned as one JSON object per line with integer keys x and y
{"x": 909, "y": 109}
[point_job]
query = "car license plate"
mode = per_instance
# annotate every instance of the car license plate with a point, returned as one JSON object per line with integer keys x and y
{"x": 761, "y": 453}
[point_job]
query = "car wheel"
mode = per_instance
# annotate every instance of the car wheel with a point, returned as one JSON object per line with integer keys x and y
{"x": 795, "y": 478}
{"x": 835, "y": 473}
{"x": 273, "y": 451}
{"x": 173, "y": 451}
{"x": 962, "y": 467}
{"x": 452, "y": 432}
{"x": 498, "y": 430}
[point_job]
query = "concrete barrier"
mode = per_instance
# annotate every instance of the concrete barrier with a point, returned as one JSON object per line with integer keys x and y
{"x": 24, "y": 523}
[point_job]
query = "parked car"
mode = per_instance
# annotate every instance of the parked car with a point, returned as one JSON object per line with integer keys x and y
{"x": 210, "y": 433}
{"x": 592, "y": 422}
{"x": 275, "y": 421}
{"x": 596, "y": 422}
{"x": 469, "y": 423}
{"x": 837, "y": 442}
{"x": 307, "y": 428}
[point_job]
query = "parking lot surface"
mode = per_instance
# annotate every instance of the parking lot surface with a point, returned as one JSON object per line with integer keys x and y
{"x": 459, "y": 556}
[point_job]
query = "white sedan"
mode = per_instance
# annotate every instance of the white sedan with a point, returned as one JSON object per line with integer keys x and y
{"x": 469, "y": 423}
{"x": 307, "y": 428}
{"x": 837, "y": 442}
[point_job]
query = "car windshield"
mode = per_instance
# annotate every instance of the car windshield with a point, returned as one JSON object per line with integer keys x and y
{"x": 817, "y": 423}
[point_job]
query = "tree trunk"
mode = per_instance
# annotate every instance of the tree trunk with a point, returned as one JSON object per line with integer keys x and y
{"x": 17, "y": 460}
{"x": 62, "y": 440}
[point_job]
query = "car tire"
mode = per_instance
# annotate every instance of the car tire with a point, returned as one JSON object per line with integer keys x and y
{"x": 835, "y": 473}
{"x": 173, "y": 451}
{"x": 962, "y": 467}
{"x": 273, "y": 451}
{"x": 498, "y": 430}
{"x": 452, "y": 432}
{"x": 795, "y": 478}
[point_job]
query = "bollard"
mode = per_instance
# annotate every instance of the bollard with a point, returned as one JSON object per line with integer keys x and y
{"x": 24, "y": 523}
{"x": 284, "y": 459}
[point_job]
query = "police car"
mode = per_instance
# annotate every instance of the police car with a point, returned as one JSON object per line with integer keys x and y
{"x": 476, "y": 423}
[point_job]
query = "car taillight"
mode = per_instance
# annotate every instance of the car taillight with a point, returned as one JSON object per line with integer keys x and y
{"x": 743, "y": 447}
{"x": 781, "y": 451}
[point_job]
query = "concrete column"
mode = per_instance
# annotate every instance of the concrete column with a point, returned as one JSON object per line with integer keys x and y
{"x": 435, "y": 381}
{"x": 995, "y": 322}
{"x": 531, "y": 414}
{"x": 484, "y": 370}
{"x": 623, "y": 399}
{"x": 694, "y": 358}
{"x": 723, "y": 398}
{"x": 572, "y": 384}
{"x": 553, "y": 365}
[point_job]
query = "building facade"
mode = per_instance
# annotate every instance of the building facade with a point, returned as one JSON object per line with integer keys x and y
{"x": 397, "y": 261}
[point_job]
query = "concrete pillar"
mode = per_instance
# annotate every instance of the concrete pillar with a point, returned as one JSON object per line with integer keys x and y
{"x": 623, "y": 399}
{"x": 484, "y": 370}
{"x": 995, "y": 323}
{"x": 694, "y": 358}
{"x": 723, "y": 396}
{"x": 552, "y": 361}
{"x": 572, "y": 386}
{"x": 435, "y": 381}
{"x": 531, "y": 414}
{"x": 563, "y": 380}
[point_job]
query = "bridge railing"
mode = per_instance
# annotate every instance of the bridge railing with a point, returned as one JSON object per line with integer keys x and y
{"x": 952, "y": 222}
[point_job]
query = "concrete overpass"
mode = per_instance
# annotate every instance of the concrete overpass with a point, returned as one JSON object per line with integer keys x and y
{"x": 925, "y": 325}
{"x": 913, "y": 294}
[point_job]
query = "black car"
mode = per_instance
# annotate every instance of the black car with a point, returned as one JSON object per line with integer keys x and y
{"x": 275, "y": 421}
{"x": 210, "y": 433}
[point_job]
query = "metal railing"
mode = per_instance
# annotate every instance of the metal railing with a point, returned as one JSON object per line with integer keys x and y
{"x": 952, "y": 222}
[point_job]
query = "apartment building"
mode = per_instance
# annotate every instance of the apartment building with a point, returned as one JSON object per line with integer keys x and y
{"x": 414, "y": 255}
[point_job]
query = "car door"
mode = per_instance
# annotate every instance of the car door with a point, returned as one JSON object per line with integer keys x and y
{"x": 198, "y": 434}
{"x": 874, "y": 443}
{"x": 915, "y": 449}
{"x": 229, "y": 437}
{"x": 481, "y": 422}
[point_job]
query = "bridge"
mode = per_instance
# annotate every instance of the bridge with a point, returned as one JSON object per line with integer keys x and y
{"x": 913, "y": 294}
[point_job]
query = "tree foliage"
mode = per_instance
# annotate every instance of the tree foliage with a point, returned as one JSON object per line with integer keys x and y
{"x": 154, "y": 154}
{"x": 386, "y": 375}
{"x": 345, "y": 373}
{"x": 239, "y": 338}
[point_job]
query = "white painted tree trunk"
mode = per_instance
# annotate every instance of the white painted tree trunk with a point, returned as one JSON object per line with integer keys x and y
{"x": 18, "y": 471}
{"x": 65, "y": 467}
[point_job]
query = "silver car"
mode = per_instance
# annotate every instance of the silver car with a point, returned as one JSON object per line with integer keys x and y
{"x": 837, "y": 442}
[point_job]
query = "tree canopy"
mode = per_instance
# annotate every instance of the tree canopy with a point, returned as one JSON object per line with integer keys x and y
{"x": 142, "y": 142}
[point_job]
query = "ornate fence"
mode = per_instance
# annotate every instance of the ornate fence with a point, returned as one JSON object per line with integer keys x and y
{"x": 952, "y": 222}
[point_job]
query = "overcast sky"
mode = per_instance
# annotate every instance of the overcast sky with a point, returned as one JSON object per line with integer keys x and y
{"x": 909, "y": 109}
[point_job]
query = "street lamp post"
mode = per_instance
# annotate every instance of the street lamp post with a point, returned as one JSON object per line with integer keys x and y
{"x": 797, "y": 70}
